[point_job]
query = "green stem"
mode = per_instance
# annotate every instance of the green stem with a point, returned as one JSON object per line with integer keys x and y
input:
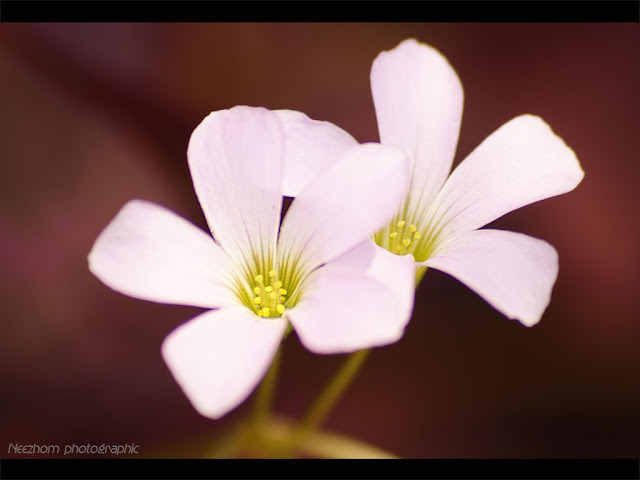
{"x": 420, "y": 271}
{"x": 319, "y": 444}
{"x": 264, "y": 397}
{"x": 278, "y": 431}
{"x": 329, "y": 396}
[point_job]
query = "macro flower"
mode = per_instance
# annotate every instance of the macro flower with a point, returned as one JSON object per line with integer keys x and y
{"x": 255, "y": 274}
{"x": 418, "y": 101}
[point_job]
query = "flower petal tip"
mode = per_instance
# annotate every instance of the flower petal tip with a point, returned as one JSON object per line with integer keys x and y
{"x": 220, "y": 356}
{"x": 573, "y": 170}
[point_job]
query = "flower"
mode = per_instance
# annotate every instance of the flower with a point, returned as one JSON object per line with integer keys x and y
{"x": 418, "y": 102}
{"x": 256, "y": 275}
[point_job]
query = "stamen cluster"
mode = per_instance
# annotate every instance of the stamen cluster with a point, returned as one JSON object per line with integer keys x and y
{"x": 403, "y": 238}
{"x": 269, "y": 296}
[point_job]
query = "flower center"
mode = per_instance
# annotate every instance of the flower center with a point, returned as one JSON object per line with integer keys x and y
{"x": 401, "y": 238}
{"x": 269, "y": 298}
{"x": 268, "y": 288}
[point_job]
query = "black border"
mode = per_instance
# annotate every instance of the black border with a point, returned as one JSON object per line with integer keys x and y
{"x": 316, "y": 10}
{"x": 320, "y": 469}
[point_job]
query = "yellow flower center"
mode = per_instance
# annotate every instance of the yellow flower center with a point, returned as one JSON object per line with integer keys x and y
{"x": 267, "y": 287}
{"x": 269, "y": 297}
{"x": 399, "y": 237}
{"x": 418, "y": 238}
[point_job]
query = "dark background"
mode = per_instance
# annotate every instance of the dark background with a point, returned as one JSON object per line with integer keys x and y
{"x": 92, "y": 115}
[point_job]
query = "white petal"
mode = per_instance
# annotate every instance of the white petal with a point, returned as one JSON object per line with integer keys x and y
{"x": 343, "y": 205}
{"x": 219, "y": 357}
{"x": 151, "y": 253}
{"x": 310, "y": 147}
{"x": 236, "y": 162}
{"x": 521, "y": 163}
{"x": 395, "y": 271}
{"x": 418, "y": 99}
{"x": 515, "y": 273}
{"x": 343, "y": 309}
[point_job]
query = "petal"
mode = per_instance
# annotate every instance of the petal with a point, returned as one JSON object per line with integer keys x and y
{"x": 395, "y": 271}
{"x": 344, "y": 309}
{"x": 151, "y": 253}
{"x": 310, "y": 146}
{"x": 220, "y": 356}
{"x": 236, "y": 161}
{"x": 515, "y": 273}
{"x": 418, "y": 99}
{"x": 343, "y": 205}
{"x": 521, "y": 163}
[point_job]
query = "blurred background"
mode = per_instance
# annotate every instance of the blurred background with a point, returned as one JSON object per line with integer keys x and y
{"x": 93, "y": 115}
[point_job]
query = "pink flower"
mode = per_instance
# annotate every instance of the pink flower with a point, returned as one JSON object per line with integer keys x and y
{"x": 255, "y": 275}
{"x": 418, "y": 102}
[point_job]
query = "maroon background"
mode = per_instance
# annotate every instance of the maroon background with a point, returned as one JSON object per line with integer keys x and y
{"x": 93, "y": 115}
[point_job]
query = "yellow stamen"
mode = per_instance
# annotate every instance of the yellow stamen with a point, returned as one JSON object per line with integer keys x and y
{"x": 267, "y": 300}
{"x": 394, "y": 235}
{"x": 417, "y": 236}
{"x": 412, "y": 228}
{"x": 401, "y": 223}
{"x": 406, "y": 242}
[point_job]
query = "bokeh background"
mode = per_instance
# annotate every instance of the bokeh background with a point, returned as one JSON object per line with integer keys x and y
{"x": 92, "y": 115}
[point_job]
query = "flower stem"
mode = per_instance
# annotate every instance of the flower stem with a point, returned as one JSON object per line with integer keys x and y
{"x": 264, "y": 397}
{"x": 329, "y": 396}
{"x": 278, "y": 431}
{"x": 319, "y": 444}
